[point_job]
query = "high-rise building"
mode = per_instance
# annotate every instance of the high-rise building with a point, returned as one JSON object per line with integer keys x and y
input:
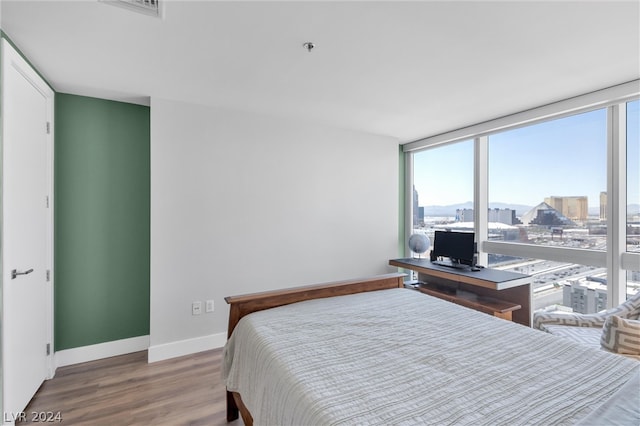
{"x": 506, "y": 216}
{"x": 603, "y": 206}
{"x": 416, "y": 218}
{"x": 574, "y": 208}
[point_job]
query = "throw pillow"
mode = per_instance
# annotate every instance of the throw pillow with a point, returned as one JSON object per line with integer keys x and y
{"x": 621, "y": 335}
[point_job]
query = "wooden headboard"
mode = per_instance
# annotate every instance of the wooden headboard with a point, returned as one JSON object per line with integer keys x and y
{"x": 248, "y": 303}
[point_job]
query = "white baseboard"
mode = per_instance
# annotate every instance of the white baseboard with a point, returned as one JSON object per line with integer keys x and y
{"x": 186, "y": 347}
{"x": 101, "y": 350}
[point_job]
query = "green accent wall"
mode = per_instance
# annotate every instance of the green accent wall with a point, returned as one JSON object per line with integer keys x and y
{"x": 102, "y": 210}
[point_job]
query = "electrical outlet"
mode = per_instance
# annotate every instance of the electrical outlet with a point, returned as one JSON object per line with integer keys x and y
{"x": 196, "y": 308}
{"x": 209, "y": 307}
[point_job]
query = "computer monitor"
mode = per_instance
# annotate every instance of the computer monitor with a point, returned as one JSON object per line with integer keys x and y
{"x": 457, "y": 246}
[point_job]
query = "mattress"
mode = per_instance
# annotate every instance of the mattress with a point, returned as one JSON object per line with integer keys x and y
{"x": 403, "y": 357}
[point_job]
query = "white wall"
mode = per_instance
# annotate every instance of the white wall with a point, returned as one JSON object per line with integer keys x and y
{"x": 243, "y": 203}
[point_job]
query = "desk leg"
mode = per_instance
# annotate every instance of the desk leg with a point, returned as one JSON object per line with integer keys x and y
{"x": 522, "y": 296}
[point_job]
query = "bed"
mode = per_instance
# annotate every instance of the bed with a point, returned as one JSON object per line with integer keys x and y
{"x": 372, "y": 352}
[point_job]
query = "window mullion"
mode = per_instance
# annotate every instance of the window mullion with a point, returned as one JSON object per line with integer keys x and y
{"x": 481, "y": 196}
{"x": 616, "y": 202}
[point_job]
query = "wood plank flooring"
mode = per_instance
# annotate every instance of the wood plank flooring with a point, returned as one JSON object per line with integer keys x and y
{"x": 126, "y": 390}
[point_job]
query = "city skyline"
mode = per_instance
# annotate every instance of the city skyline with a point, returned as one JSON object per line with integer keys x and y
{"x": 500, "y": 205}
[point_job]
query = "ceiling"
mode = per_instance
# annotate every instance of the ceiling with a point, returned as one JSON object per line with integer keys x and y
{"x": 404, "y": 69}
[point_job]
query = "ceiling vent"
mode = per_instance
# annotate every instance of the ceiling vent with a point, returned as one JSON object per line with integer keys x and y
{"x": 148, "y": 7}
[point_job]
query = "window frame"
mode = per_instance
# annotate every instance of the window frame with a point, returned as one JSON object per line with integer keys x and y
{"x": 616, "y": 259}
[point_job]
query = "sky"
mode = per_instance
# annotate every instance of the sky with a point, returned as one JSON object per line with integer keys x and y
{"x": 563, "y": 157}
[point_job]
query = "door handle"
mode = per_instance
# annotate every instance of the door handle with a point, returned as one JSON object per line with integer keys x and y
{"x": 15, "y": 273}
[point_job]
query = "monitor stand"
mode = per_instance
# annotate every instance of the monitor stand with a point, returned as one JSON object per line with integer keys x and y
{"x": 450, "y": 264}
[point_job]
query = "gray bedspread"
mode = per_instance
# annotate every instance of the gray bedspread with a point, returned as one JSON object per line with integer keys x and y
{"x": 402, "y": 357}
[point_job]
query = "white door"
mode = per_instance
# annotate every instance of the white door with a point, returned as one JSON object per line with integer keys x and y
{"x": 27, "y": 107}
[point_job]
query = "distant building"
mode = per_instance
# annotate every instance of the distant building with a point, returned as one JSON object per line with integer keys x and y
{"x": 603, "y": 206}
{"x": 506, "y": 216}
{"x": 465, "y": 215}
{"x": 497, "y": 231}
{"x": 586, "y": 297}
{"x": 416, "y": 218}
{"x": 545, "y": 215}
{"x": 574, "y": 208}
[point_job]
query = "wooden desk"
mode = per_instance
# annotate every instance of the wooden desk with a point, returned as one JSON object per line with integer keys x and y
{"x": 489, "y": 285}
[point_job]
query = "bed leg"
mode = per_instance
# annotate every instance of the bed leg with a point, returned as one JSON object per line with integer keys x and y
{"x": 232, "y": 408}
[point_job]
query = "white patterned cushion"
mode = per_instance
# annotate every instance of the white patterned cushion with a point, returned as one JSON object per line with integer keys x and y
{"x": 621, "y": 335}
{"x": 586, "y": 336}
{"x": 629, "y": 309}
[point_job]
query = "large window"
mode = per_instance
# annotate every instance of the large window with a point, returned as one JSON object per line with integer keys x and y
{"x": 549, "y": 182}
{"x": 443, "y": 188}
{"x": 546, "y": 182}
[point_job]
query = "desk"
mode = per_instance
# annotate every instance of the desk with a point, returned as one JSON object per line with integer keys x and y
{"x": 488, "y": 284}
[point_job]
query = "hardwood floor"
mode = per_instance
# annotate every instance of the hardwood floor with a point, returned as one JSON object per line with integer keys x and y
{"x": 126, "y": 390}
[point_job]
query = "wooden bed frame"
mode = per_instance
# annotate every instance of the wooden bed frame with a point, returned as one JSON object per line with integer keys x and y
{"x": 246, "y": 304}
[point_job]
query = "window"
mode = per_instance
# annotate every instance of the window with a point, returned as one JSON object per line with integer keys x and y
{"x": 546, "y": 178}
{"x": 443, "y": 188}
{"x": 546, "y": 182}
